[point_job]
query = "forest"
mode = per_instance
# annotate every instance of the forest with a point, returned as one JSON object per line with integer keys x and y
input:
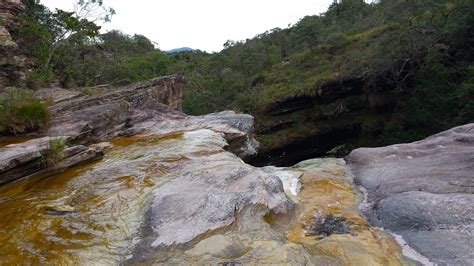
{"x": 401, "y": 69}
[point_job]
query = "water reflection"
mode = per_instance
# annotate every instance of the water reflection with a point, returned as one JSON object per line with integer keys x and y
{"x": 91, "y": 214}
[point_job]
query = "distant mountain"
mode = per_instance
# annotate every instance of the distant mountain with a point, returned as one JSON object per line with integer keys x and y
{"x": 182, "y": 49}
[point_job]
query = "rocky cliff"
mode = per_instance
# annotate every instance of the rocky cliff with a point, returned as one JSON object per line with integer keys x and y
{"x": 11, "y": 63}
{"x": 340, "y": 111}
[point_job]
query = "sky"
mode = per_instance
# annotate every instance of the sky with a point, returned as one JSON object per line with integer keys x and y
{"x": 201, "y": 24}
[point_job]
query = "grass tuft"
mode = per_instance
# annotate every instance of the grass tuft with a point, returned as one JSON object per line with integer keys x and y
{"x": 54, "y": 152}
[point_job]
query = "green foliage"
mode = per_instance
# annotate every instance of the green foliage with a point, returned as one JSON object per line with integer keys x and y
{"x": 46, "y": 36}
{"x": 443, "y": 98}
{"x": 94, "y": 10}
{"x": 68, "y": 48}
{"x": 21, "y": 113}
{"x": 54, "y": 152}
{"x": 33, "y": 33}
{"x": 120, "y": 44}
{"x": 419, "y": 53}
{"x": 39, "y": 77}
{"x": 136, "y": 68}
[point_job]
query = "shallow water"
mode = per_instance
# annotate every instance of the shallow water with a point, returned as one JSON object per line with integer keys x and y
{"x": 258, "y": 237}
{"x": 14, "y": 140}
{"x": 92, "y": 214}
{"x": 328, "y": 192}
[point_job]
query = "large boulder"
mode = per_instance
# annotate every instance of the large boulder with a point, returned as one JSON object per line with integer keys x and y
{"x": 207, "y": 194}
{"x": 424, "y": 191}
{"x": 237, "y": 128}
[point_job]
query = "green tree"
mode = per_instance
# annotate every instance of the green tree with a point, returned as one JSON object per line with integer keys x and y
{"x": 93, "y": 10}
{"x": 66, "y": 26}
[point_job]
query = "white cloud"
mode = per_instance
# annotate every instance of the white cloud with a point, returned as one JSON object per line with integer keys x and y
{"x": 204, "y": 24}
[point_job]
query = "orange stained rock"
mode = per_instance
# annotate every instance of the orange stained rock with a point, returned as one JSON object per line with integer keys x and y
{"x": 86, "y": 213}
{"x": 325, "y": 192}
{"x": 144, "y": 139}
{"x": 27, "y": 230}
{"x": 91, "y": 213}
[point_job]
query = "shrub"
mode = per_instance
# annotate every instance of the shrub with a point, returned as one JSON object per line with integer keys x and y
{"x": 20, "y": 112}
{"x": 38, "y": 78}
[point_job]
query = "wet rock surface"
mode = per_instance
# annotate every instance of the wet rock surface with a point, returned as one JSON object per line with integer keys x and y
{"x": 149, "y": 192}
{"x": 208, "y": 194}
{"x": 139, "y": 182}
{"x": 175, "y": 195}
{"x": 424, "y": 192}
{"x": 329, "y": 223}
{"x": 165, "y": 179}
{"x": 236, "y": 129}
{"x": 150, "y": 107}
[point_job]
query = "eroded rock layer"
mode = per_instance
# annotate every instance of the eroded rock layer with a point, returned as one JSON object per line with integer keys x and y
{"x": 11, "y": 63}
{"x": 86, "y": 119}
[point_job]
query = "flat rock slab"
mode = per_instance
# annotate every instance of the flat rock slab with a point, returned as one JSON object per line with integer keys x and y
{"x": 424, "y": 191}
{"x": 237, "y": 129}
{"x": 29, "y": 157}
{"x": 22, "y": 159}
